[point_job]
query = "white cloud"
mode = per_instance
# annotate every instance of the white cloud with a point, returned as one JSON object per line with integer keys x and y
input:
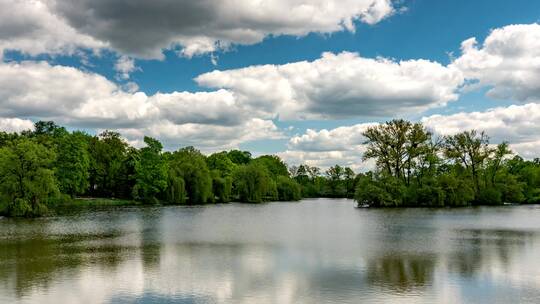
{"x": 15, "y": 125}
{"x": 143, "y": 29}
{"x": 340, "y": 85}
{"x": 517, "y": 124}
{"x": 70, "y": 96}
{"x": 125, "y": 66}
{"x": 508, "y": 61}
{"x": 343, "y": 146}
{"x": 208, "y": 138}
{"x": 31, "y": 27}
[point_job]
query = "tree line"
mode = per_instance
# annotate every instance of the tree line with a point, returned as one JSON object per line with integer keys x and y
{"x": 50, "y": 166}
{"x": 416, "y": 168}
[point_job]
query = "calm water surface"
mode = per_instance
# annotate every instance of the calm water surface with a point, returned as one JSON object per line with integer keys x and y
{"x": 315, "y": 251}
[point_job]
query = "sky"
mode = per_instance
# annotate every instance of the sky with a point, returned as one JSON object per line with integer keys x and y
{"x": 298, "y": 78}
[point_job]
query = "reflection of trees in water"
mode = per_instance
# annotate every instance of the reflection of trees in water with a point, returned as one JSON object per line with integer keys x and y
{"x": 401, "y": 272}
{"x": 186, "y": 267}
{"x": 150, "y": 244}
{"x": 480, "y": 248}
{"x": 471, "y": 251}
{"x": 38, "y": 260}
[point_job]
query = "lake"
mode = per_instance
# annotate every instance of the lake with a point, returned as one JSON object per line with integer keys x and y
{"x": 313, "y": 251}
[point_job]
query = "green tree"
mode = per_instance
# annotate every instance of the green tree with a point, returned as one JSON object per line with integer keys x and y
{"x": 471, "y": 150}
{"x": 27, "y": 181}
{"x": 73, "y": 163}
{"x": 276, "y": 167}
{"x": 239, "y": 157}
{"x": 335, "y": 181}
{"x": 220, "y": 161}
{"x": 189, "y": 164}
{"x": 150, "y": 171}
{"x": 253, "y": 183}
{"x": 108, "y": 154}
{"x": 288, "y": 189}
{"x": 349, "y": 182}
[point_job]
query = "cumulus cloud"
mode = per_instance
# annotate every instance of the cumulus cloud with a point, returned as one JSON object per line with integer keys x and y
{"x": 340, "y": 85}
{"x": 208, "y": 138}
{"x": 508, "y": 62}
{"x": 517, "y": 124}
{"x": 125, "y": 66}
{"x": 81, "y": 99}
{"x": 324, "y": 148}
{"x": 31, "y": 27}
{"x": 15, "y": 125}
{"x": 144, "y": 29}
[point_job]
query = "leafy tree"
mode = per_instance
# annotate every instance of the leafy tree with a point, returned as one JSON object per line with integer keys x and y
{"x": 108, "y": 154}
{"x": 27, "y": 181}
{"x": 276, "y": 167}
{"x": 190, "y": 165}
{"x": 335, "y": 177}
{"x": 397, "y": 146}
{"x": 73, "y": 163}
{"x": 349, "y": 180}
{"x": 176, "y": 187}
{"x": 253, "y": 183}
{"x": 221, "y": 162}
{"x": 288, "y": 189}
{"x": 150, "y": 171}
{"x": 470, "y": 149}
{"x": 239, "y": 157}
{"x": 221, "y": 186}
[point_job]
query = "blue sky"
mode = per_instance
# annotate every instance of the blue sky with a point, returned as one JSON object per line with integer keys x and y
{"x": 166, "y": 56}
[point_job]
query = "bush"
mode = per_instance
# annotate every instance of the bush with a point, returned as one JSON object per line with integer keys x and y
{"x": 288, "y": 189}
{"x": 489, "y": 196}
{"x": 20, "y": 208}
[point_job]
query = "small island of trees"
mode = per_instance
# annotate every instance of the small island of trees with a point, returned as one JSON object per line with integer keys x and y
{"x": 50, "y": 167}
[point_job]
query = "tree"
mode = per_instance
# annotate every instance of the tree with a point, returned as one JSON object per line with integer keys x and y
{"x": 221, "y": 187}
{"x": 276, "y": 167}
{"x": 397, "y": 146}
{"x": 252, "y": 183}
{"x": 150, "y": 171}
{"x": 239, "y": 157}
{"x": 288, "y": 189}
{"x": 221, "y": 162}
{"x": 27, "y": 181}
{"x": 190, "y": 165}
{"x": 108, "y": 154}
{"x": 335, "y": 176}
{"x": 349, "y": 179}
{"x": 73, "y": 163}
{"x": 470, "y": 149}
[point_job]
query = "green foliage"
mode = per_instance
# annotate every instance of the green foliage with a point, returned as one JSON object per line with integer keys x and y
{"x": 150, "y": 172}
{"x": 252, "y": 183}
{"x": 276, "y": 167}
{"x": 108, "y": 154}
{"x": 457, "y": 192}
{"x": 412, "y": 172}
{"x": 372, "y": 192}
{"x": 239, "y": 157}
{"x": 27, "y": 179}
{"x": 190, "y": 165}
{"x": 49, "y": 166}
{"x": 73, "y": 163}
{"x": 221, "y": 187}
{"x": 221, "y": 162}
{"x": 176, "y": 188}
{"x": 288, "y": 189}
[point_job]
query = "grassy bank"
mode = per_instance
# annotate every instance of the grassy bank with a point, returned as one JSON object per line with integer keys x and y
{"x": 91, "y": 201}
